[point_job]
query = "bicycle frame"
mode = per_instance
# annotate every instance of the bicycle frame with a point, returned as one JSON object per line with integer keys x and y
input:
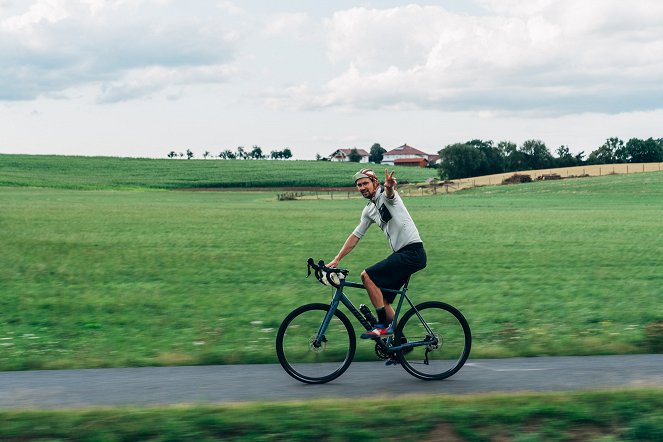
{"x": 340, "y": 297}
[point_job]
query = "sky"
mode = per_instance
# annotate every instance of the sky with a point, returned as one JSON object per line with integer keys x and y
{"x": 141, "y": 78}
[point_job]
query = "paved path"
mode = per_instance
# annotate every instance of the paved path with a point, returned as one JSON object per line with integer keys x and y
{"x": 238, "y": 383}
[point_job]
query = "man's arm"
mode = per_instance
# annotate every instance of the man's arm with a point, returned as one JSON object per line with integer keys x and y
{"x": 350, "y": 244}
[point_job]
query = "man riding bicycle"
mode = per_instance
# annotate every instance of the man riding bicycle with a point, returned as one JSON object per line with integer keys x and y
{"x": 386, "y": 209}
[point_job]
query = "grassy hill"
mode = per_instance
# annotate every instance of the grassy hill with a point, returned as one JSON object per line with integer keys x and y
{"x": 71, "y": 172}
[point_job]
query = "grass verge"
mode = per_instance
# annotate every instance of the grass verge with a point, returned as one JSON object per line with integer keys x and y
{"x": 596, "y": 416}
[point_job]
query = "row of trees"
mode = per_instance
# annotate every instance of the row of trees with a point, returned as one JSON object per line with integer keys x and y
{"x": 478, "y": 157}
{"x": 240, "y": 154}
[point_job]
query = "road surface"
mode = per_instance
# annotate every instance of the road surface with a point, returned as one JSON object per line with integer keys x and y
{"x": 241, "y": 383}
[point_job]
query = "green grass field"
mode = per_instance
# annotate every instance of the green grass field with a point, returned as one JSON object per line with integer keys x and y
{"x": 66, "y": 172}
{"x": 101, "y": 278}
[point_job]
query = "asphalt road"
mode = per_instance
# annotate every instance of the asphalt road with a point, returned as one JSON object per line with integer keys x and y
{"x": 240, "y": 383}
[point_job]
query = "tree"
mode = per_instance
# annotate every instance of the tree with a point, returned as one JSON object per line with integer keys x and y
{"x": 537, "y": 155}
{"x": 281, "y": 154}
{"x": 240, "y": 153}
{"x": 564, "y": 157}
{"x": 227, "y": 155}
{"x": 513, "y": 158}
{"x": 610, "y": 152}
{"x": 172, "y": 154}
{"x": 579, "y": 159}
{"x": 256, "y": 153}
{"x": 206, "y": 154}
{"x": 494, "y": 160}
{"x": 461, "y": 160}
{"x": 189, "y": 154}
{"x": 376, "y": 153}
{"x": 354, "y": 156}
{"x": 647, "y": 151}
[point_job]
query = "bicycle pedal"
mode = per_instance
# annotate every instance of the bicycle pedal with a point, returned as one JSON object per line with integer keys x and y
{"x": 392, "y": 362}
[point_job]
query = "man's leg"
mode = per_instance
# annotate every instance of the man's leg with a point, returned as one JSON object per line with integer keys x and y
{"x": 375, "y": 294}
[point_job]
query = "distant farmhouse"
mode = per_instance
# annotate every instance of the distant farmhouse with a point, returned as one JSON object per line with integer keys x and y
{"x": 344, "y": 155}
{"x": 408, "y": 156}
{"x": 401, "y": 156}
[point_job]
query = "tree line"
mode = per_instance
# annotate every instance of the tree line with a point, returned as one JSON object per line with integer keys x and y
{"x": 478, "y": 157}
{"x": 240, "y": 154}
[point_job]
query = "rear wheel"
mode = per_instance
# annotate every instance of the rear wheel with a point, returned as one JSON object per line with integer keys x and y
{"x": 445, "y": 344}
{"x": 302, "y": 358}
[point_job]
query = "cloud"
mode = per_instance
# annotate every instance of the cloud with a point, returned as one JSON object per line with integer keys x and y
{"x": 291, "y": 23}
{"x": 124, "y": 48}
{"x": 144, "y": 82}
{"x": 540, "y": 57}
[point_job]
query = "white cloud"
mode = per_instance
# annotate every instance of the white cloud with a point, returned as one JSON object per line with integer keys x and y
{"x": 53, "y": 46}
{"x": 147, "y": 81}
{"x": 315, "y": 76}
{"x": 291, "y": 23}
{"x": 548, "y": 57}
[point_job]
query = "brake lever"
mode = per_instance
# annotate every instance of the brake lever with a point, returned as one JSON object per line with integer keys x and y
{"x": 310, "y": 264}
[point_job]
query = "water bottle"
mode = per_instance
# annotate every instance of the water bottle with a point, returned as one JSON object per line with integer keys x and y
{"x": 368, "y": 314}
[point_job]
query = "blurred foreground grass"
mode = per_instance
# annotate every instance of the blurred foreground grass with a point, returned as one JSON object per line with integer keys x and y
{"x": 131, "y": 278}
{"x": 630, "y": 415}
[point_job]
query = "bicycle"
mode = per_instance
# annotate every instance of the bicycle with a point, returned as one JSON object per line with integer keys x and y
{"x": 316, "y": 342}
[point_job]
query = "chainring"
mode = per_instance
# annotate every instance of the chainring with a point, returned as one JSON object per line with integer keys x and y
{"x": 381, "y": 351}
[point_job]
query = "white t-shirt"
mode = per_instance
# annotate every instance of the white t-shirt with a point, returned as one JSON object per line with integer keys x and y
{"x": 392, "y": 217}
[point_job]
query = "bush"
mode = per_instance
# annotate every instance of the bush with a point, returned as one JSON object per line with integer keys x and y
{"x": 517, "y": 178}
{"x": 648, "y": 428}
{"x": 654, "y": 336}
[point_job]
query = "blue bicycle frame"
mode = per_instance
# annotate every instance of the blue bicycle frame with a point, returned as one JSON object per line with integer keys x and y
{"x": 340, "y": 297}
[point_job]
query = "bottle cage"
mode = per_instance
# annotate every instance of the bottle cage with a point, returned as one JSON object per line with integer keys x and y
{"x": 326, "y": 275}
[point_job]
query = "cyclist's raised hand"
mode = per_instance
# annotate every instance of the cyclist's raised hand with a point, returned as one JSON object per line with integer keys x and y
{"x": 389, "y": 180}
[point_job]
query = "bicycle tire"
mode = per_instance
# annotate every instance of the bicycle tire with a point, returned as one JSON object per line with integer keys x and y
{"x": 297, "y": 354}
{"x": 450, "y": 346}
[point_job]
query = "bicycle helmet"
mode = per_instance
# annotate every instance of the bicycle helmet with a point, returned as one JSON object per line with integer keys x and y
{"x": 365, "y": 173}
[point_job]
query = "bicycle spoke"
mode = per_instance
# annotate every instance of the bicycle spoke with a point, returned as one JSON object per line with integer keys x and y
{"x": 297, "y": 350}
{"x": 441, "y": 353}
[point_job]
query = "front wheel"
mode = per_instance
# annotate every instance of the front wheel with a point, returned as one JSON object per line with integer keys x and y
{"x": 444, "y": 337}
{"x": 298, "y": 353}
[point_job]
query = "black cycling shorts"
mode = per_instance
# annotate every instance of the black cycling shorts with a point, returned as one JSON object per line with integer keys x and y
{"x": 392, "y": 272}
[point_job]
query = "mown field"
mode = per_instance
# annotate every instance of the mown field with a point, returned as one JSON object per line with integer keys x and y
{"x": 633, "y": 415}
{"x": 67, "y": 172}
{"x": 99, "y": 278}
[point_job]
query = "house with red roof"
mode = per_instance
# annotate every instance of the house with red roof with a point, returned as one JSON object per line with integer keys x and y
{"x": 408, "y": 156}
{"x": 344, "y": 155}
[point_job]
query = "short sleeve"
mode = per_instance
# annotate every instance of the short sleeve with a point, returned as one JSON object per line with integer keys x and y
{"x": 364, "y": 223}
